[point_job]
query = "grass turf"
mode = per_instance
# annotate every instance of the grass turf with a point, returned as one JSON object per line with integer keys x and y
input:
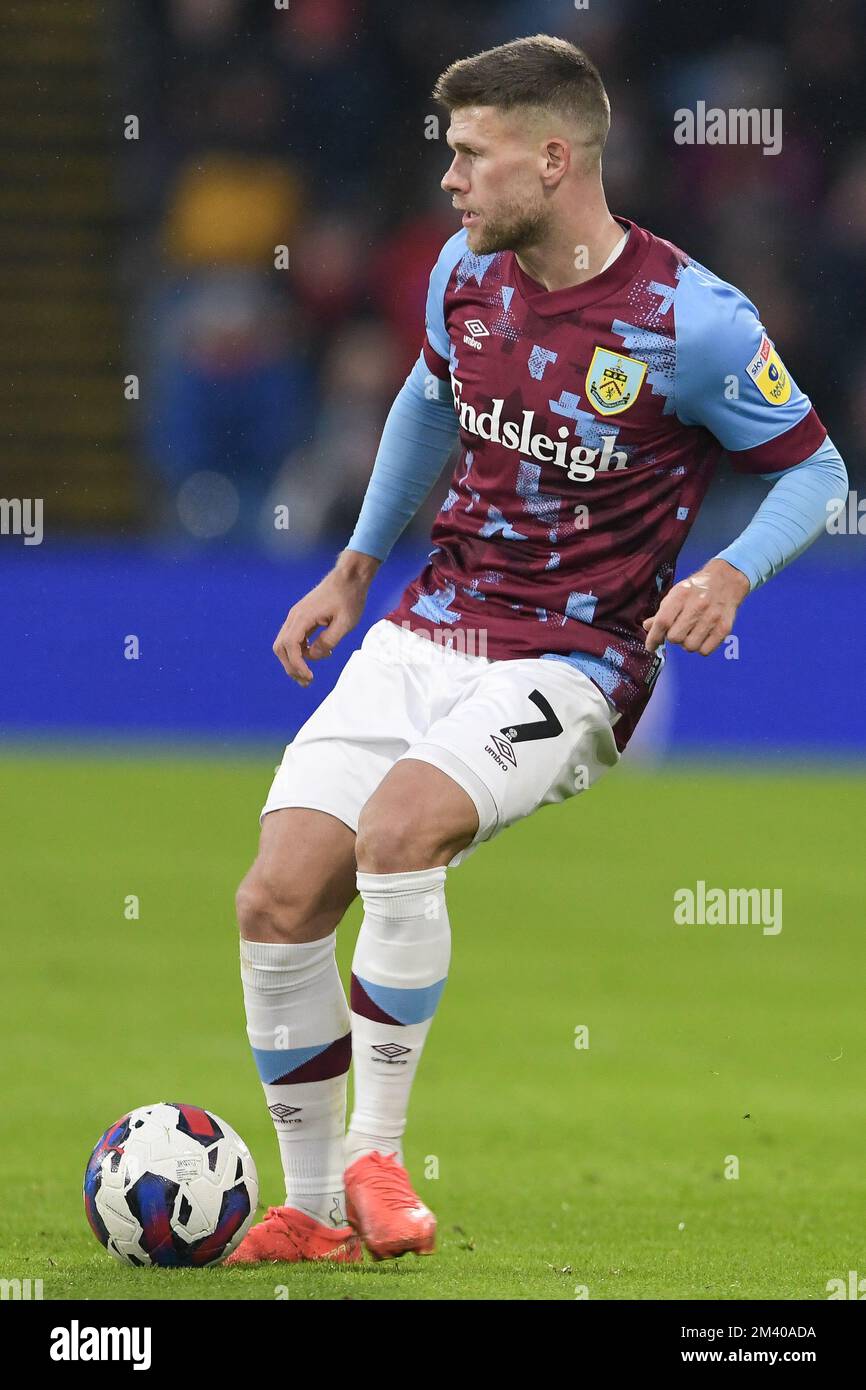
{"x": 559, "y": 1169}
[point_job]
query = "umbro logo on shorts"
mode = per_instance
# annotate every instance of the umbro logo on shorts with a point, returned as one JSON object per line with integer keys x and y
{"x": 548, "y": 727}
{"x": 502, "y": 750}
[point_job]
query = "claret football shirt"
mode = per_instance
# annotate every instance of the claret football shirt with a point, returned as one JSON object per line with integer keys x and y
{"x": 591, "y": 421}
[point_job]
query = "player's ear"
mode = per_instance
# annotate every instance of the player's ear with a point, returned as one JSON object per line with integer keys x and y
{"x": 557, "y": 160}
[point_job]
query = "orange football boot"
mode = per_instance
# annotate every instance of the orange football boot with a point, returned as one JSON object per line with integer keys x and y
{"x": 289, "y": 1235}
{"x": 381, "y": 1205}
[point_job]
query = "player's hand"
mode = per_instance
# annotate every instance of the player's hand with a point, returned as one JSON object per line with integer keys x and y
{"x": 335, "y": 605}
{"x": 698, "y": 613}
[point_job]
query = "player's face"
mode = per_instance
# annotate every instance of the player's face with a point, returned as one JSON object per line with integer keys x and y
{"x": 494, "y": 180}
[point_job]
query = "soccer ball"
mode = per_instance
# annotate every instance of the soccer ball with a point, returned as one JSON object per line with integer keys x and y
{"x": 170, "y": 1185}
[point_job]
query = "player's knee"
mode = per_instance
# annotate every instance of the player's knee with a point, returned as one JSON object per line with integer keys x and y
{"x": 256, "y": 909}
{"x": 269, "y": 911}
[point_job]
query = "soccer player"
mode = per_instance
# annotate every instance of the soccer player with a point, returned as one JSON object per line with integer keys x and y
{"x": 595, "y": 375}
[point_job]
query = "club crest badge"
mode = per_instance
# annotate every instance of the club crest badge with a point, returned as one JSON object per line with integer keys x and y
{"x": 613, "y": 381}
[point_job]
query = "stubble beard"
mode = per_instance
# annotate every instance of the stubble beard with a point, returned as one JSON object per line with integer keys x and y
{"x": 510, "y": 229}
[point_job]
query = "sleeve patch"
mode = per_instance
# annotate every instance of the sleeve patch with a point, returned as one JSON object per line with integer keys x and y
{"x": 769, "y": 375}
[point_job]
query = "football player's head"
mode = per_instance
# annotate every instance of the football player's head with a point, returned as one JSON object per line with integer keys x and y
{"x": 529, "y": 121}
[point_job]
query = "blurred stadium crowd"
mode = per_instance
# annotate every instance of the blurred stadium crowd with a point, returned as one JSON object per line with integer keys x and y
{"x": 307, "y": 127}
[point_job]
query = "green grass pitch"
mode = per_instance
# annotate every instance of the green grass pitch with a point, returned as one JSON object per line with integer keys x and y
{"x": 559, "y": 1169}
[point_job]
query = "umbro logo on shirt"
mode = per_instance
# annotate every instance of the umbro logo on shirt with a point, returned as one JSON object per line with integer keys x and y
{"x": 476, "y": 330}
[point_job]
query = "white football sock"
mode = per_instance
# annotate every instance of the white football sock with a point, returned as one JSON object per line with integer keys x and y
{"x": 299, "y": 1029}
{"x": 398, "y": 974}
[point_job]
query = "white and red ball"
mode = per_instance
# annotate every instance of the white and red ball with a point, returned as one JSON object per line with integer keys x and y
{"x": 170, "y": 1185}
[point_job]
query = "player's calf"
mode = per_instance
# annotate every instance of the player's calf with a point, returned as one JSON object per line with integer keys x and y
{"x": 411, "y": 827}
{"x": 298, "y": 1020}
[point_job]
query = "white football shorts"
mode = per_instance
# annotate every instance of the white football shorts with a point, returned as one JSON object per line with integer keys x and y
{"x": 515, "y": 734}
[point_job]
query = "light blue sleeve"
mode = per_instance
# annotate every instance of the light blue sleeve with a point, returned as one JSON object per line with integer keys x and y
{"x": 420, "y": 431}
{"x": 418, "y": 437}
{"x": 729, "y": 377}
{"x": 792, "y": 515}
{"x": 434, "y": 316}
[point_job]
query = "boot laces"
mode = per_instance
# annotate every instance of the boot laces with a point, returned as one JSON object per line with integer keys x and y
{"x": 392, "y": 1184}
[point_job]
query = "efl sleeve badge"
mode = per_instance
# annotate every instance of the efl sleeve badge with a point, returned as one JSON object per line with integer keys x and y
{"x": 768, "y": 373}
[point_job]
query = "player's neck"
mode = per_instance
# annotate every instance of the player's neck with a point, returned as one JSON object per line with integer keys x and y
{"x": 573, "y": 254}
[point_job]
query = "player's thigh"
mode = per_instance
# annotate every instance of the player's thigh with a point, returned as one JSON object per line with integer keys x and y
{"x": 350, "y": 742}
{"x": 530, "y": 733}
{"x": 303, "y": 878}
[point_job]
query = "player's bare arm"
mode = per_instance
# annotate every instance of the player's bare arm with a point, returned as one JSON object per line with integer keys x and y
{"x": 335, "y": 605}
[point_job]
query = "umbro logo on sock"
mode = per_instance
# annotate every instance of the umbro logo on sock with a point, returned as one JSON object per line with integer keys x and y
{"x": 391, "y": 1053}
{"x": 284, "y": 1113}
